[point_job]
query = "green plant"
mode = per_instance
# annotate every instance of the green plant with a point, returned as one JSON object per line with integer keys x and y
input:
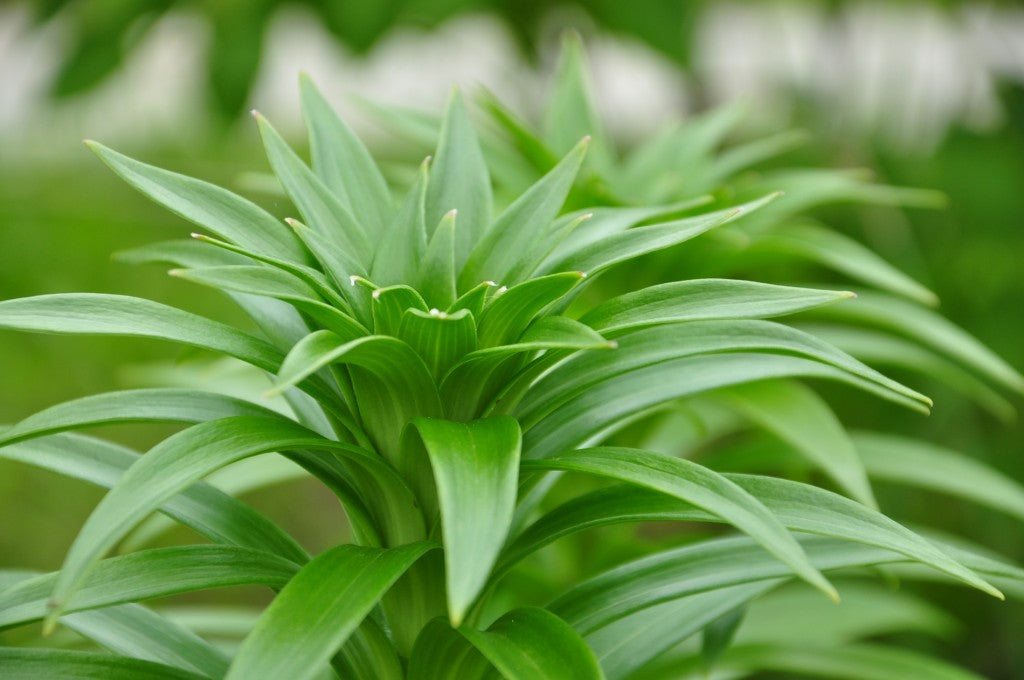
{"x": 450, "y": 372}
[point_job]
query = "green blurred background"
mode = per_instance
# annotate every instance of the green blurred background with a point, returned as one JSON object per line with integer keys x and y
{"x": 927, "y": 94}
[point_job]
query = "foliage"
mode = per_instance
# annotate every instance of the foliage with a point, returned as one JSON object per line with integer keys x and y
{"x": 480, "y": 378}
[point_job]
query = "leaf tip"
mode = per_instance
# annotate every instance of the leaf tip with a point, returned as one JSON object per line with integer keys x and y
{"x": 175, "y": 272}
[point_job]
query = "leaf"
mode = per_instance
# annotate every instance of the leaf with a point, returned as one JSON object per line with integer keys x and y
{"x": 459, "y": 180}
{"x": 844, "y": 255}
{"x": 390, "y": 305}
{"x": 159, "y": 404}
{"x": 479, "y": 376}
{"x": 99, "y": 314}
{"x": 929, "y": 329}
{"x": 201, "y": 506}
{"x": 473, "y": 299}
{"x": 718, "y": 635}
{"x": 134, "y": 631}
{"x": 475, "y": 469}
{"x": 396, "y": 386}
{"x": 596, "y": 390}
{"x": 278, "y": 284}
{"x": 406, "y": 236}
{"x": 319, "y": 609}
{"x": 147, "y": 574}
{"x": 437, "y": 271}
{"x": 704, "y": 299}
{"x": 172, "y": 466}
{"x": 531, "y": 643}
{"x": 222, "y": 212}
{"x": 510, "y": 313}
{"x": 20, "y": 663}
{"x": 331, "y": 220}
{"x": 694, "y": 484}
{"x": 802, "y": 419}
{"x": 521, "y": 224}
{"x": 342, "y": 162}
{"x": 925, "y": 465}
{"x": 441, "y": 339}
{"x": 570, "y": 113}
{"x": 441, "y": 653}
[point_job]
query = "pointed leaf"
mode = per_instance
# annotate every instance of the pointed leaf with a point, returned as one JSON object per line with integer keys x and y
{"x": 342, "y": 162}
{"x": 390, "y": 305}
{"x": 510, "y": 313}
{"x": 459, "y": 180}
{"x": 441, "y": 339}
{"x": 218, "y": 210}
{"x": 437, "y": 271}
{"x": 475, "y": 467}
{"x": 99, "y": 314}
{"x": 319, "y": 609}
{"x": 406, "y": 237}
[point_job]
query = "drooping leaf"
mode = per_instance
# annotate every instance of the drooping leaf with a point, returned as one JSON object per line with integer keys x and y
{"x": 475, "y": 469}
{"x": 694, "y": 484}
{"x": 319, "y": 608}
{"x": 531, "y": 643}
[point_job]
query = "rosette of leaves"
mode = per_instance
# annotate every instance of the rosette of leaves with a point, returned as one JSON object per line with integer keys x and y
{"x": 439, "y": 376}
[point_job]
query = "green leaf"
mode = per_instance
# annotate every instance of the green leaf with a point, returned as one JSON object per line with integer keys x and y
{"x": 479, "y": 376}
{"x": 278, "y": 284}
{"x": 638, "y": 241}
{"x": 570, "y": 113}
{"x": 319, "y": 207}
{"x": 929, "y": 329}
{"x": 134, "y": 631}
{"x": 201, "y": 506}
{"x": 161, "y": 404}
{"x": 473, "y": 299}
{"x": 319, "y": 609}
{"x": 21, "y": 663}
{"x": 222, "y": 212}
{"x": 509, "y": 313}
{"x": 844, "y": 255}
{"x": 459, "y": 180}
{"x": 342, "y": 162}
{"x": 475, "y": 469}
{"x": 718, "y": 635}
{"x": 441, "y": 339}
{"x": 406, "y": 237}
{"x": 590, "y": 392}
{"x": 694, "y": 484}
{"x": 798, "y": 416}
{"x": 172, "y": 466}
{"x": 704, "y": 299}
{"x": 531, "y": 643}
{"x": 925, "y": 465}
{"x": 147, "y": 574}
{"x": 390, "y": 305}
{"x": 99, "y": 314}
{"x": 394, "y": 386}
{"x": 441, "y": 653}
{"x": 524, "y": 222}
{"x": 437, "y": 271}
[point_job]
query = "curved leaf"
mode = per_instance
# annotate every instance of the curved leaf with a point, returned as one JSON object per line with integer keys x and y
{"x": 20, "y": 663}
{"x": 475, "y": 469}
{"x": 319, "y": 608}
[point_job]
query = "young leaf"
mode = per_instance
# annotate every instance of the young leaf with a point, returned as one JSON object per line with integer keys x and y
{"x": 475, "y": 469}
{"x": 319, "y": 609}
{"x": 390, "y": 305}
{"x": 437, "y": 271}
{"x": 441, "y": 339}
{"x": 406, "y": 237}
{"x": 459, "y": 180}
{"x": 342, "y": 162}
{"x": 521, "y": 224}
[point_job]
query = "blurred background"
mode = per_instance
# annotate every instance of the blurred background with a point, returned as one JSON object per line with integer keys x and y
{"x": 926, "y": 94}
